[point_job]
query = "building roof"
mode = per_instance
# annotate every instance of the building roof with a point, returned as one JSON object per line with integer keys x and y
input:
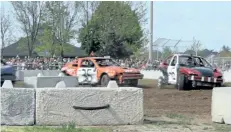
{"x": 16, "y": 49}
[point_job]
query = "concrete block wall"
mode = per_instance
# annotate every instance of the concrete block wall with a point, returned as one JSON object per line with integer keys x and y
{"x": 227, "y": 76}
{"x": 55, "y": 106}
{"x": 19, "y": 75}
{"x": 148, "y": 74}
{"x": 221, "y": 105}
{"x": 31, "y": 73}
{"x": 17, "y": 106}
{"x": 151, "y": 74}
{"x": 58, "y": 106}
{"x": 50, "y": 81}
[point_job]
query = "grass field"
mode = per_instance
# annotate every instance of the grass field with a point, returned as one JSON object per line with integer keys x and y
{"x": 67, "y": 128}
{"x": 165, "y": 110}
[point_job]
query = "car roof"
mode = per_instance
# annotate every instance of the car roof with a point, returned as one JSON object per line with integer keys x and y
{"x": 187, "y": 55}
{"x": 93, "y": 58}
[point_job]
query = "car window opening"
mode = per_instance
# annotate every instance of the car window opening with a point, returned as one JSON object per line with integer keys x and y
{"x": 188, "y": 61}
{"x": 106, "y": 62}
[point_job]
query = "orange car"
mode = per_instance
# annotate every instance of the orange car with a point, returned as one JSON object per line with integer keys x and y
{"x": 100, "y": 70}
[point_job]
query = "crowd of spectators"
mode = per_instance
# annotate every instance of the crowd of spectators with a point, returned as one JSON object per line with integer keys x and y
{"x": 54, "y": 63}
{"x": 40, "y": 63}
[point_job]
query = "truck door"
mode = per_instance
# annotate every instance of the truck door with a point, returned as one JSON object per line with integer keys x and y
{"x": 87, "y": 72}
{"x": 172, "y": 71}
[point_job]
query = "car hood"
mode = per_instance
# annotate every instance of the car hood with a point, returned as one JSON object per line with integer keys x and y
{"x": 204, "y": 71}
{"x": 121, "y": 69}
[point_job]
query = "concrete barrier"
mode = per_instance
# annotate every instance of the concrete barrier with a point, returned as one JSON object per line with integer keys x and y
{"x": 50, "y": 81}
{"x": 227, "y": 76}
{"x": 17, "y": 106}
{"x": 89, "y": 106}
{"x": 19, "y": 75}
{"x": 7, "y": 84}
{"x": 148, "y": 74}
{"x": 221, "y": 105}
{"x": 151, "y": 74}
{"x": 31, "y": 73}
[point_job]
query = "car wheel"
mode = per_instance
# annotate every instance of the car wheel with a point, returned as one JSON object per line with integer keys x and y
{"x": 219, "y": 85}
{"x": 104, "y": 80}
{"x": 181, "y": 82}
{"x": 13, "y": 82}
{"x": 134, "y": 83}
{"x": 117, "y": 80}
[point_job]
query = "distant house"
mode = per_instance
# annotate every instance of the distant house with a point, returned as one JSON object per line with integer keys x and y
{"x": 16, "y": 49}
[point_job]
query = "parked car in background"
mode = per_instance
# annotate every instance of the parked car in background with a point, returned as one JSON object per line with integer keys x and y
{"x": 8, "y": 72}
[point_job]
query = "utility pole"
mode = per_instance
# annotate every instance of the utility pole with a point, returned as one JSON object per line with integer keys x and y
{"x": 151, "y": 32}
{"x": 197, "y": 47}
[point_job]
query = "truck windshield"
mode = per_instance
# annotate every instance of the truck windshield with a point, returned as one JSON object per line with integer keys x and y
{"x": 106, "y": 62}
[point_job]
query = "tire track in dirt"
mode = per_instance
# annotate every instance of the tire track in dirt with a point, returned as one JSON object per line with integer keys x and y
{"x": 160, "y": 102}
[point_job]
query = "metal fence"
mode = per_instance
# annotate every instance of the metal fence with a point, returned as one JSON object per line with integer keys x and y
{"x": 224, "y": 63}
{"x": 164, "y": 47}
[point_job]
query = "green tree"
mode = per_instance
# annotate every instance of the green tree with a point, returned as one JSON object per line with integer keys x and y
{"x": 114, "y": 30}
{"x": 61, "y": 20}
{"x": 46, "y": 43}
{"x": 5, "y": 25}
{"x": 29, "y": 14}
{"x": 225, "y": 52}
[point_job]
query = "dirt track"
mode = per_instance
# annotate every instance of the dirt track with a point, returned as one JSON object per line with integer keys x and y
{"x": 161, "y": 102}
{"x": 170, "y": 110}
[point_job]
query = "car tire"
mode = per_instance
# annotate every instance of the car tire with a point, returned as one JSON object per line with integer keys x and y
{"x": 104, "y": 80}
{"x": 180, "y": 85}
{"x": 134, "y": 83}
{"x": 13, "y": 82}
{"x": 219, "y": 85}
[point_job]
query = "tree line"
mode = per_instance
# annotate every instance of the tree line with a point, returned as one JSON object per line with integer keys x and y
{"x": 106, "y": 28}
{"x": 167, "y": 51}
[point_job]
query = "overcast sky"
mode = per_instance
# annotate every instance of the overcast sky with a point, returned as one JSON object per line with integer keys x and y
{"x": 209, "y": 22}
